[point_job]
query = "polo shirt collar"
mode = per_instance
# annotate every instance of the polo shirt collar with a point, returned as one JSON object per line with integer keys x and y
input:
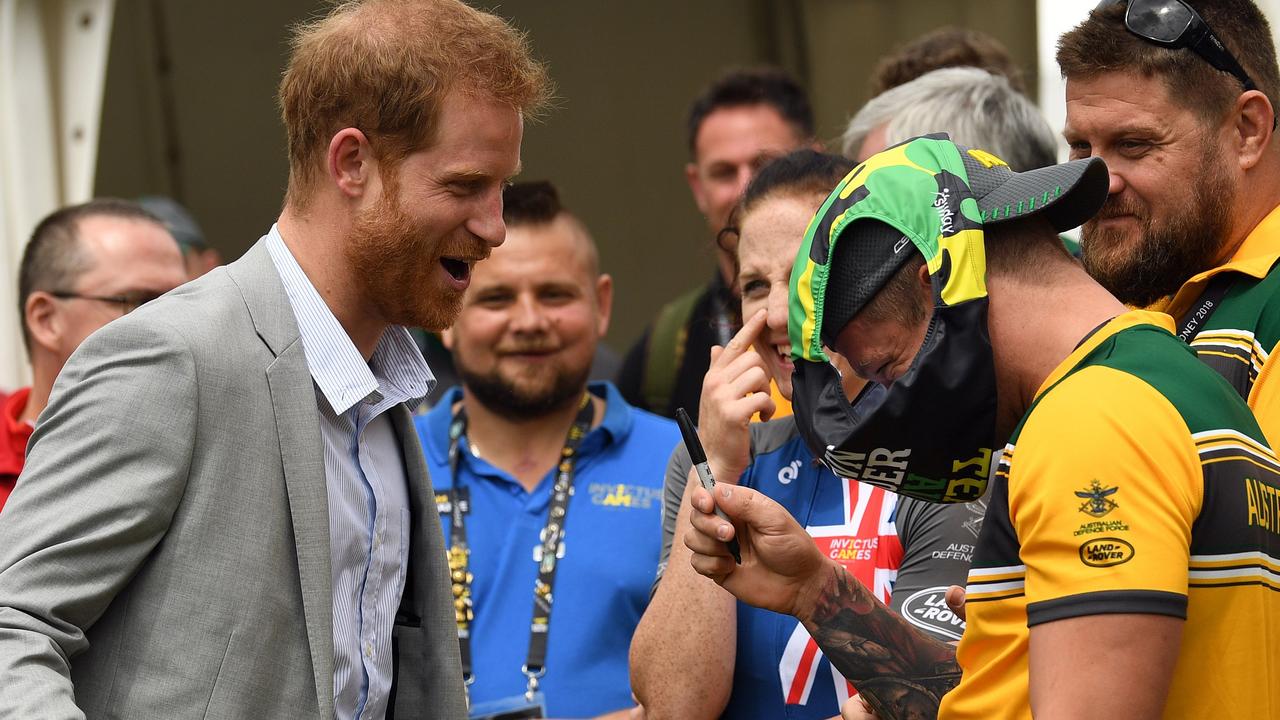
{"x": 1109, "y": 329}
{"x": 619, "y": 416}
{"x": 396, "y": 371}
{"x": 1255, "y": 258}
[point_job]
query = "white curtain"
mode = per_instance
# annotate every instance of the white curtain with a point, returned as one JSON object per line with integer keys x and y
{"x": 1053, "y": 18}
{"x": 53, "y": 58}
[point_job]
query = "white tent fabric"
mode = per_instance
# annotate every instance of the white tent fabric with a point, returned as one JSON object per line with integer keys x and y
{"x": 53, "y": 58}
{"x": 1053, "y": 18}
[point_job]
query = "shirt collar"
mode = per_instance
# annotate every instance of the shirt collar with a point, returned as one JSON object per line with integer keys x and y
{"x": 395, "y": 373}
{"x": 1115, "y": 325}
{"x": 13, "y": 446}
{"x": 618, "y": 415}
{"x": 1255, "y": 258}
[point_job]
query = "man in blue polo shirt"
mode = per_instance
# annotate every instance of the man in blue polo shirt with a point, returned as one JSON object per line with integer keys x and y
{"x": 549, "y": 488}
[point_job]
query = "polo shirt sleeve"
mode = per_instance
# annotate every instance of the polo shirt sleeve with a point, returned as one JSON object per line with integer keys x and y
{"x": 677, "y": 477}
{"x": 1264, "y": 396}
{"x": 1104, "y": 487}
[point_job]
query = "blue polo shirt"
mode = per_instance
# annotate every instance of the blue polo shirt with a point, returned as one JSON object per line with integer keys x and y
{"x": 612, "y": 539}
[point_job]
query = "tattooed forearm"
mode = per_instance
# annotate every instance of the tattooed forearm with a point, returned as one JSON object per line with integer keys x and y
{"x": 901, "y": 672}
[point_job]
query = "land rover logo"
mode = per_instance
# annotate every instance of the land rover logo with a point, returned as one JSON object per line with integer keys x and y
{"x": 927, "y": 610}
{"x": 1105, "y": 552}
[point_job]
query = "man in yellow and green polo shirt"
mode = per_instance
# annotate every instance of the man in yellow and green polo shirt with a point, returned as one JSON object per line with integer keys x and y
{"x": 1179, "y": 98}
{"x": 1129, "y": 561}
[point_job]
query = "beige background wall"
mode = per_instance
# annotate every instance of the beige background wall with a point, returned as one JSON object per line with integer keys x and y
{"x": 189, "y": 108}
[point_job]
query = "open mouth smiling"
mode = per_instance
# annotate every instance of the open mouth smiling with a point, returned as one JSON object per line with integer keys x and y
{"x": 783, "y": 353}
{"x": 459, "y": 270}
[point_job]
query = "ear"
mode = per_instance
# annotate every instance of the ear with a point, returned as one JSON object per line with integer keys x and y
{"x": 604, "y": 302}
{"x": 44, "y": 321}
{"x": 695, "y": 186}
{"x": 817, "y": 146}
{"x": 350, "y": 162}
{"x": 1254, "y": 120}
{"x": 923, "y": 276}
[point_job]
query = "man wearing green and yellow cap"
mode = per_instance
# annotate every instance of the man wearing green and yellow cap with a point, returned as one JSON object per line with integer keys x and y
{"x": 1132, "y": 528}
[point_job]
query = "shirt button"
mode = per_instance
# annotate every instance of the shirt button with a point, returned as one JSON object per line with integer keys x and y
{"x": 368, "y": 650}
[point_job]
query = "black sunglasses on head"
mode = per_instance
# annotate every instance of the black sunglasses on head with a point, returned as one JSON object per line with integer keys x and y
{"x": 1175, "y": 24}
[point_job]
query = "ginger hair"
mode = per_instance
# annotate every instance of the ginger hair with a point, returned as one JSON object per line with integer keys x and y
{"x": 385, "y": 67}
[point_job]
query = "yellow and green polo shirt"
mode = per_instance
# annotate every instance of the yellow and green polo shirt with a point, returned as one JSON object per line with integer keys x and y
{"x": 1137, "y": 482}
{"x": 1241, "y": 335}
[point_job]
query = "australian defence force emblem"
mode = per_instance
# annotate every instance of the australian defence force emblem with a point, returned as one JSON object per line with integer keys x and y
{"x": 1097, "y": 499}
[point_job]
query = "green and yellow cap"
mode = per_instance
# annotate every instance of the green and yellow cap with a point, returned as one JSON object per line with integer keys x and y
{"x": 933, "y": 195}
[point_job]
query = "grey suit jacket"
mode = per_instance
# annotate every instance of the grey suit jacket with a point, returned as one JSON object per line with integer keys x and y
{"x": 165, "y": 553}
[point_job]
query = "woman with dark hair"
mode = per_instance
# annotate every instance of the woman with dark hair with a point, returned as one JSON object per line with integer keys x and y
{"x": 699, "y": 653}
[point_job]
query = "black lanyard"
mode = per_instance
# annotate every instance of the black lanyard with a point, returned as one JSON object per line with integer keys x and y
{"x": 551, "y": 537}
{"x": 1194, "y": 320}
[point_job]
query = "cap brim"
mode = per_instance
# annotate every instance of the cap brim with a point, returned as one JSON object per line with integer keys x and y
{"x": 1066, "y": 195}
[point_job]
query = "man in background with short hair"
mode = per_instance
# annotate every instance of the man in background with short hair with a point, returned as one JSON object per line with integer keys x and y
{"x": 549, "y": 488}
{"x": 84, "y": 266}
{"x": 943, "y": 48}
{"x": 1192, "y": 223}
{"x": 740, "y": 122}
{"x": 196, "y": 253}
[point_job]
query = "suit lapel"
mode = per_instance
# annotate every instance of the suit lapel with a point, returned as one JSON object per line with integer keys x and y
{"x": 293, "y": 400}
{"x": 437, "y": 670}
{"x": 302, "y": 454}
{"x": 415, "y": 465}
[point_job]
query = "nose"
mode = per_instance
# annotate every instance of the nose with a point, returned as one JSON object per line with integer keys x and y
{"x": 1115, "y": 182}
{"x": 745, "y": 173}
{"x": 527, "y": 315}
{"x": 776, "y": 307}
{"x": 486, "y": 222}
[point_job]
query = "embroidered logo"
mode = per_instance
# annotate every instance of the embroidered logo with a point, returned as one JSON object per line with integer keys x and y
{"x": 1097, "y": 499}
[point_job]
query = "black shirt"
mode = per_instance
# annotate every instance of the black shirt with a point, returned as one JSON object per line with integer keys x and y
{"x": 713, "y": 321}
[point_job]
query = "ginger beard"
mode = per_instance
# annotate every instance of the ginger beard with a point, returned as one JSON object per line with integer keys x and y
{"x": 398, "y": 264}
{"x": 1166, "y": 251}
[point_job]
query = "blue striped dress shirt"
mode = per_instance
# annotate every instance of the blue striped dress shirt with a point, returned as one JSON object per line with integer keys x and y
{"x": 365, "y": 475}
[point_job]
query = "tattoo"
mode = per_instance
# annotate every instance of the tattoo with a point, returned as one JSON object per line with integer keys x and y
{"x": 899, "y": 671}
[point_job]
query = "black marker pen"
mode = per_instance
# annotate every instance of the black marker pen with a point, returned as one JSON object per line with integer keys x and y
{"x": 699, "y": 458}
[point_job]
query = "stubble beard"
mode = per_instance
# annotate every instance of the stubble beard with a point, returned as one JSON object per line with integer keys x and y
{"x": 506, "y": 396}
{"x": 1143, "y": 270}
